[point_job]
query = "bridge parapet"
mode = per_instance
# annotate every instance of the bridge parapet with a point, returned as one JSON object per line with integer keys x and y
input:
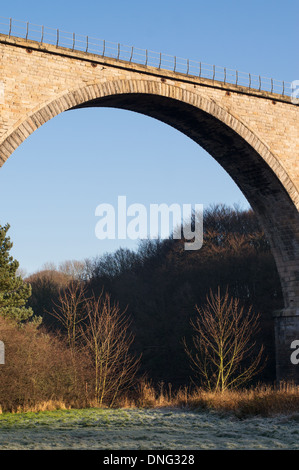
{"x": 131, "y": 54}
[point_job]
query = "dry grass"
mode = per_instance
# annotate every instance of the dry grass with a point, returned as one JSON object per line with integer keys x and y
{"x": 261, "y": 400}
{"x": 50, "y": 405}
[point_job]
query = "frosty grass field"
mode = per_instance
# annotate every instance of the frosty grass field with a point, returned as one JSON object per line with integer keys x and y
{"x": 130, "y": 429}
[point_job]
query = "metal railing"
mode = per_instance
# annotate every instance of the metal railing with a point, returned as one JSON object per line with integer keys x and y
{"x": 131, "y": 54}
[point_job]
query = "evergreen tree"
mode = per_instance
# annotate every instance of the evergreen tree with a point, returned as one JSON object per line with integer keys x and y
{"x": 14, "y": 292}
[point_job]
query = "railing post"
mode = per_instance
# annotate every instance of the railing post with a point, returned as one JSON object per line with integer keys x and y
{"x": 271, "y": 85}
{"x": 199, "y": 69}
{"x": 57, "y": 38}
{"x": 104, "y": 46}
{"x": 118, "y": 51}
{"x": 42, "y": 38}
{"x": 224, "y": 74}
{"x": 174, "y": 64}
{"x": 74, "y": 41}
{"x": 146, "y": 56}
{"x": 86, "y": 43}
{"x": 237, "y": 77}
{"x": 249, "y": 84}
{"x": 260, "y": 83}
{"x": 27, "y": 30}
{"x": 10, "y": 26}
{"x": 160, "y": 61}
{"x": 131, "y": 56}
{"x": 187, "y": 66}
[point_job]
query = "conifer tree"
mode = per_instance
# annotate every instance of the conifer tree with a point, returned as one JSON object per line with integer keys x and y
{"x": 14, "y": 292}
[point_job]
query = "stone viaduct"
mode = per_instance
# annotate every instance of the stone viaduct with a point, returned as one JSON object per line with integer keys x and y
{"x": 253, "y": 134}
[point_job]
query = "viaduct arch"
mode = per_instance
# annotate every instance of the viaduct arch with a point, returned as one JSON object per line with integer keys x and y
{"x": 253, "y": 134}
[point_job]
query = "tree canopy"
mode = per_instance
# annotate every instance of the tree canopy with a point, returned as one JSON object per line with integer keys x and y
{"x": 14, "y": 292}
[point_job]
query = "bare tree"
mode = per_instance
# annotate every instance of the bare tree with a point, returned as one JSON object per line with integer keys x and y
{"x": 74, "y": 269}
{"x": 108, "y": 340}
{"x": 223, "y": 339}
{"x": 96, "y": 327}
{"x": 70, "y": 311}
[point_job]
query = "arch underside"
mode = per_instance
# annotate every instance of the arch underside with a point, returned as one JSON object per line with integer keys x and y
{"x": 248, "y": 161}
{"x": 264, "y": 191}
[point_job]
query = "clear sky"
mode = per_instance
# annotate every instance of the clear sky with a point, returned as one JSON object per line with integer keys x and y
{"x": 52, "y": 184}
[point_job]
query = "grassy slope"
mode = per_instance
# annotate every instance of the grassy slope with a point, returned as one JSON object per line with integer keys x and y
{"x": 162, "y": 428}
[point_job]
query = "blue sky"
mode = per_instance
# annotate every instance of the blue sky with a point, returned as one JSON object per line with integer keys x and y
{"x": 52, "y": 184}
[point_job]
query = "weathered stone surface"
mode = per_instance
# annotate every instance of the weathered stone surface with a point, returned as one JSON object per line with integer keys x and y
{"x": 253, "y": 135}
